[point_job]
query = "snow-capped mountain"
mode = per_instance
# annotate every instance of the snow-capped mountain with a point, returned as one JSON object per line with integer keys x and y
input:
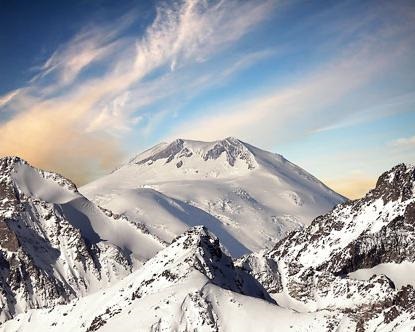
{"x": 358, "y": 260}
{"x": 248, "y": 197}
{"x": 56, "y": 245}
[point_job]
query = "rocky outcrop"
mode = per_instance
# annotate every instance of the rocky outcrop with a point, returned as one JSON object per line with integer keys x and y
{"x": 312, "y": 266}
{"x": 168, "y": 153}
{"x": 232, "y": 148}
{"x": 178, "y": 289}
{"x": 44, "y": 258}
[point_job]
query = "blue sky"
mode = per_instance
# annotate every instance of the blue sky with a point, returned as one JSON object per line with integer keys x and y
{"x": 328, "y": 84}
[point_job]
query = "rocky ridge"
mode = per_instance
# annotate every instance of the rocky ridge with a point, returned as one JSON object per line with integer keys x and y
{"x": 48, "y": 255}
{"x": 231, "y": 147}
{"x": 311, "y": 269}
{"x": 175, "y": 289}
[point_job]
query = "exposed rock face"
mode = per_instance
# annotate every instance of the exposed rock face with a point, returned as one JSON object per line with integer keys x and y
{"x": 311, "y": 266}
{"x": 231, "y": 147}
{"x": 44, "y": 258}
{"x": 234, "y": 150}
{"x": 168, "y": 153}
{"x": 208, "y": 258}
{"x": 177, "y": 289}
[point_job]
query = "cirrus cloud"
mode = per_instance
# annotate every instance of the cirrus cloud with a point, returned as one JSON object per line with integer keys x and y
{"x": 70, "y": 122}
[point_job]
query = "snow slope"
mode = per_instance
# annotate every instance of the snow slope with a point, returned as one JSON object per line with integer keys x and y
{"x": 249, "y": 197}
{"x": 400, "y": 273}
{"x": 55, "y": 245}
{"x": 95, "y": 224}
{"x": 189, "y": 286}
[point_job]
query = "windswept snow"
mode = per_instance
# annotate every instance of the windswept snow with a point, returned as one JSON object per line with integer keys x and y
{"x": 94, "y": 224}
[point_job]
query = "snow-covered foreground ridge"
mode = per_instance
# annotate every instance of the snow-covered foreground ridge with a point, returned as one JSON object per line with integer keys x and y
{"x": 304, "y": 283}
{"x": 185, "y": 287}
{"x": 248, "y": 197}
{"x": 55, "y": 245}
{"x": 318, "y": 268}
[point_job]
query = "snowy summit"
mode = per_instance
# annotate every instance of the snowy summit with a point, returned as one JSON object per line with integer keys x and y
{"x": 247, "y": 196}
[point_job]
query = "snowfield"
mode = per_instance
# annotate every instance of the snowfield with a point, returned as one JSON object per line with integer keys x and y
{"x": 248, "y": 197}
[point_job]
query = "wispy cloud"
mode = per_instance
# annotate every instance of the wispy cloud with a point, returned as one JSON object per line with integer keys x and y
{"x": 405, "y": 142}
{"x": 64, "y": 119}
{"x": 387, "y": 107}
{"x": 304, "y": 105}
{"x": 8, "y": 97}
{"x": 91, "y": 44}
{"x": 311, "y": 104}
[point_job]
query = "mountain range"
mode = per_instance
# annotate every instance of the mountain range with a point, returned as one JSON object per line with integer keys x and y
{"x": 204, "y": 236}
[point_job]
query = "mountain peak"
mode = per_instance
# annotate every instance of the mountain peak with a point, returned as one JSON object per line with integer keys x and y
{"x": 180, "y": 150}
{"x": 206, "y": 244}
{"x": 397, "y": 183}
{"x": 27, "y": 177}
{"x": 229, "y": 139}
{"x": 7, "y": 163}
{"x": 232, "y": 139}
{"x": 199, "y": 249}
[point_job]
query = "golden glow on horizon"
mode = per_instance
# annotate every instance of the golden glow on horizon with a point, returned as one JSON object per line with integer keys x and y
{"x": 352, "y": 187}
{"x": 51, "y": 140}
